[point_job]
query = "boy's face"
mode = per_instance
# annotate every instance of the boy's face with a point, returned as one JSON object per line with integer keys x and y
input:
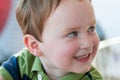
{"x": 69, "y": 38}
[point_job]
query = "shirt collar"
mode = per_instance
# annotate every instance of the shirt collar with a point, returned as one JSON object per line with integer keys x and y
{"x": 37, "y": 66}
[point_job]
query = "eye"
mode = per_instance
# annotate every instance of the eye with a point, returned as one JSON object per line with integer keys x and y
{"x": 72, "y": 34}
{"x": 91, "y": 29}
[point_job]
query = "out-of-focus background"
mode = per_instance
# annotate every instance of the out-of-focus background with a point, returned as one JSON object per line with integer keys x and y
{"x": 107, "y": 13}
{"x": 107, "y": 60}
{"x": 10, "y": 33}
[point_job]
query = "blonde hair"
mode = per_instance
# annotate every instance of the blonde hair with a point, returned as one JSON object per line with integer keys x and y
{"x": 31, "y": 15}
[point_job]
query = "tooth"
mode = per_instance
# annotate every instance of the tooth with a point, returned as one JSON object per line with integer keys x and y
{"x": 81, "y": 57}
{"x": 84, "y": 56}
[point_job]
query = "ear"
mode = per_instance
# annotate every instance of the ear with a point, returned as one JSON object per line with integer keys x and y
{"x": 32, "y": 44}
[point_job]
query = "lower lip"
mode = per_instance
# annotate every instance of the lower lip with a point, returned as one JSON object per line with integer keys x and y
{"x": 84, "y": 59}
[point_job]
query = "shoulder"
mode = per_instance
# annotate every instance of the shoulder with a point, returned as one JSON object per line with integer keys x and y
{"x": 16, "y": 65}
{"x": 25, "y": 61}
{"x": 10, "y": 68}
{"x": 24, "y": 57}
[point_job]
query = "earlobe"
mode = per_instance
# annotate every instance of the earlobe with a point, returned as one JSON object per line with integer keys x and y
{"x": 32, "y": 44}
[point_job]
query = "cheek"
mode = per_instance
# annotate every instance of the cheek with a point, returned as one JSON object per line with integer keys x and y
{"x": 62, "y": 53}
{"x": 66, "y": 49}
{"x": 96, "y": 42}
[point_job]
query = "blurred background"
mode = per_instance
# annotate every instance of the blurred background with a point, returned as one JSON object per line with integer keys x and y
{"x": 107, "y": 13}
{"x": 10, "y": 33}
{"x": 107, "y": 60}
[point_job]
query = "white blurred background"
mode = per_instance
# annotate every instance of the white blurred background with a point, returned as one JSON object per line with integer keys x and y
{"x": 108, "y": 16}
{"x": 107, "y": 60}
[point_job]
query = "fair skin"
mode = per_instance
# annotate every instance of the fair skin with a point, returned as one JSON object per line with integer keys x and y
{"x": 1, "y": 78}
{"x": 69, "y": 39}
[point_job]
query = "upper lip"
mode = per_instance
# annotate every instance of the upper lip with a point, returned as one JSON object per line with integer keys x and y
{"x": 85, "y": 53}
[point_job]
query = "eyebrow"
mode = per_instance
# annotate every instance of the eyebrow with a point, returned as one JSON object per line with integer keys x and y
{"x": 69, "y": 29}
{"x": 89, "y": 0}
{"x": 74, "y": 28}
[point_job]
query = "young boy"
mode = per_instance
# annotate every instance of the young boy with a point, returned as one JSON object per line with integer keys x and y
{"x": 60, "y": 40}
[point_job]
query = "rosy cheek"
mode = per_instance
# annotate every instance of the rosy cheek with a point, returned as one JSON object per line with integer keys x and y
{"x": 60, "y": 50}
{"x": 63, "y": 55}
{"x": 96, "y": 42}
{"x": 67, "y": 50}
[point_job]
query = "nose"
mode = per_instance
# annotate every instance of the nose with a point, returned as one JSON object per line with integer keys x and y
{"x": 86, "y": 42}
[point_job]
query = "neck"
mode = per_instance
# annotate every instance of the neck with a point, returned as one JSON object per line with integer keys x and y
{"x": 54, "y": 74}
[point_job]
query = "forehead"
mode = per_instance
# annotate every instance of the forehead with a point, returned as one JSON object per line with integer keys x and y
{"x": 72, "y": 13}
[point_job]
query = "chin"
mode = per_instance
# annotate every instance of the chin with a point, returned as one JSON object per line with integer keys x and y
{"x": 84, "y": 70}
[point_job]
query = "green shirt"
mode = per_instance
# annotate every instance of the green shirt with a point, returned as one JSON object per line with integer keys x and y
{"x": 25, "y": 66}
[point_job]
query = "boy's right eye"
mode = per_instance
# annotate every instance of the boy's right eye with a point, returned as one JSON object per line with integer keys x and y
{"x": 72, "y": 34}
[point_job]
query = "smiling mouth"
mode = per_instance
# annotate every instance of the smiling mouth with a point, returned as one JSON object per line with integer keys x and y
{"x": 82, "y": 58}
